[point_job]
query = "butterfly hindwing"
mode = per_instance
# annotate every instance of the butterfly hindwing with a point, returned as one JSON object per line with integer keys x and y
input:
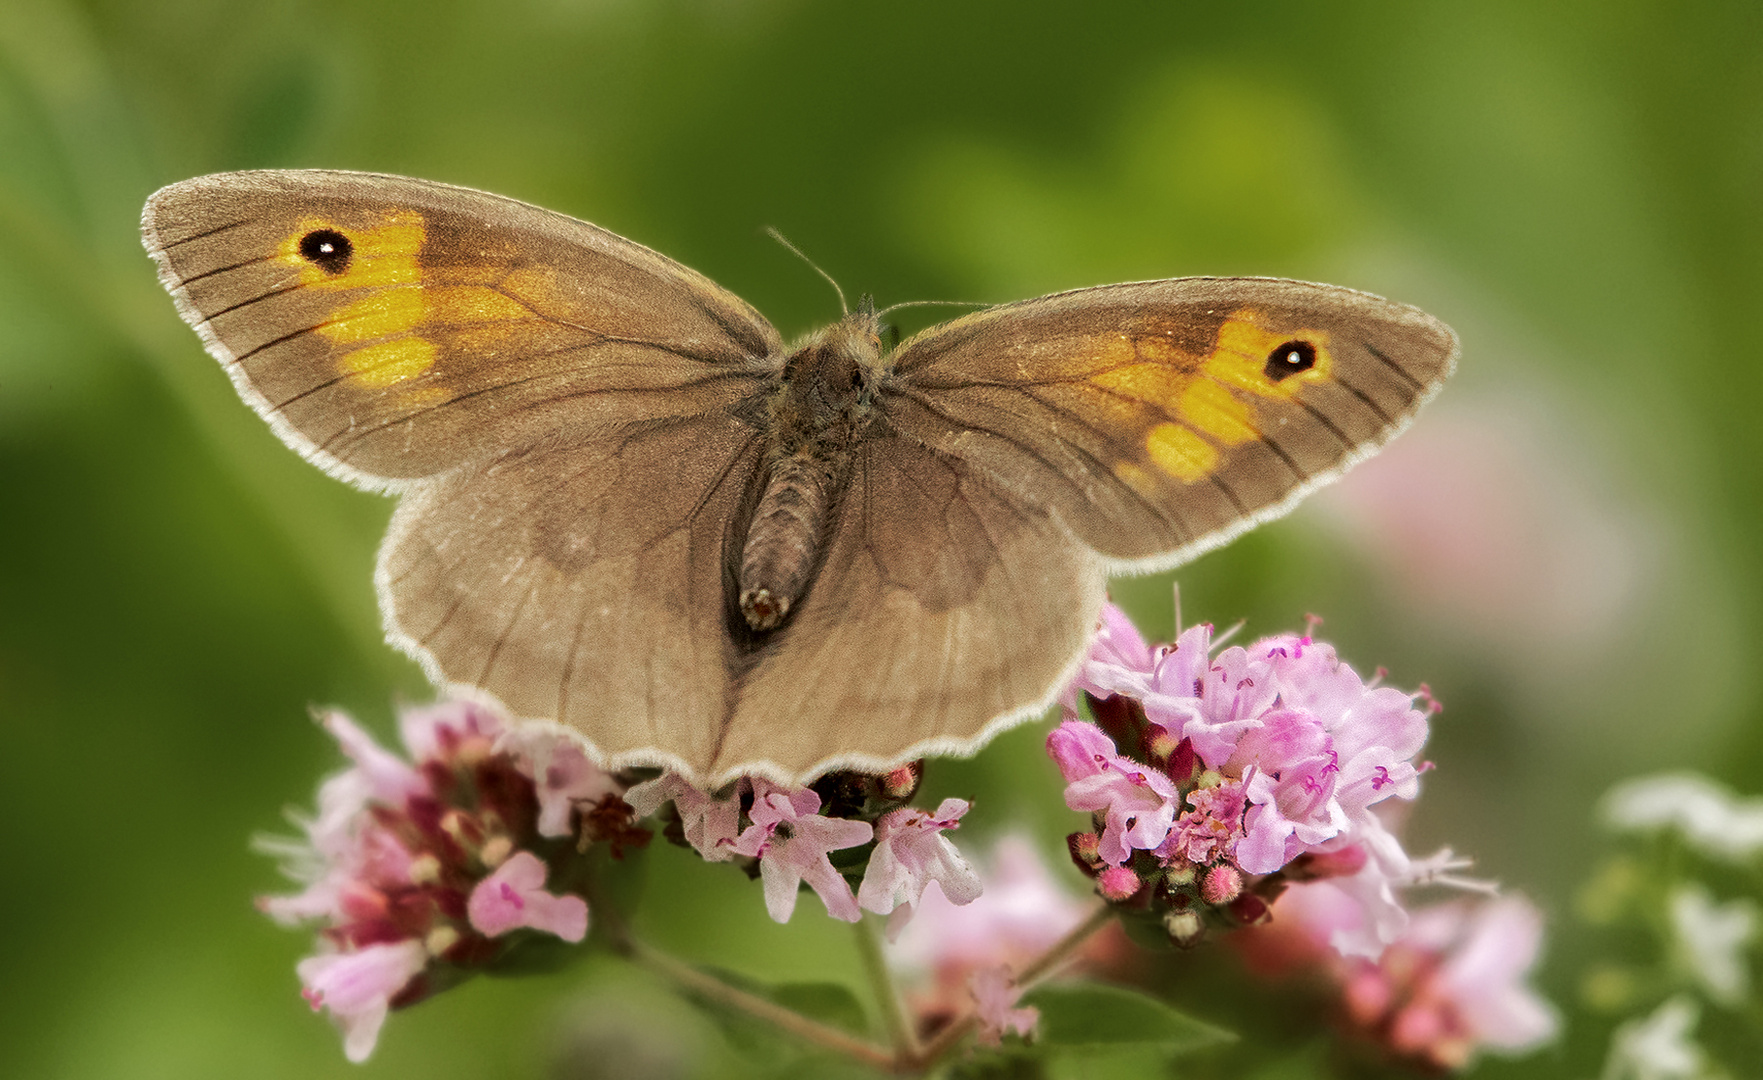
{"x": 582, "y": 580}
{"x": 392, "y": 328}
{"x": 1158, "y": 419}
{"x": 945, "y": 610}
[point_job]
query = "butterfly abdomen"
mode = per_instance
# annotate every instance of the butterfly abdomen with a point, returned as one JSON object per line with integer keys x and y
{"x": 783, "y": 544}
{"x": 815, "y": 415}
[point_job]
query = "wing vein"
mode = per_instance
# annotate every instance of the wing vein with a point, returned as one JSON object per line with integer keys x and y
{"x": 1401, "y": 371}
{"x": 182, "y": 240}
{"x": 1368, "y": 403}
{"x": 187, "y": 282}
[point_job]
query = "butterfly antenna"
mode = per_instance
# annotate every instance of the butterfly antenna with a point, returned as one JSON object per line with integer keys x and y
{"x": 844, "y": 308}
{"x": 930, "y": 303}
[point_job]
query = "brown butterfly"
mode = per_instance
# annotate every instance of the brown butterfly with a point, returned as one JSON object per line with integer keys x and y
{"x": 628, "y": 507}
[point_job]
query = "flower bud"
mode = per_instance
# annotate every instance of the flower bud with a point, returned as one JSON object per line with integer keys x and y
{"x": 1118, "y": 883}
{"x": 496, "y": 851}
{"x": 425, "y": 869}
{"x": 1086, "y": 851}
{"x": 1221, "y": 885}
{"x": 1183, "y": 927}
{"x": 440, "y": 939}
{"x": 902, "y": 783}
{"x": 1162, "y": 744}
{"x": 1182, "y": 762}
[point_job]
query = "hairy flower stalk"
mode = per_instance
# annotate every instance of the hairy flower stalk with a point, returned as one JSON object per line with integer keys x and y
{"x": 1214, "y": 781}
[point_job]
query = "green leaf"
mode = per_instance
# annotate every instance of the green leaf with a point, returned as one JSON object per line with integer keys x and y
{"x": 828, "y": 1002}
{"x": 785, "y": 1056}
{"x": 1134, "y": 1061}
{"x": 1095, "y": 1014}
{"x": 1146, "y": 931}
{"x": 534, "y": 952}
{"x": 1013, "y": 1061}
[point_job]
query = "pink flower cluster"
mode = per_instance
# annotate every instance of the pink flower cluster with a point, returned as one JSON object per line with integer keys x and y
{"x": 420, "y": 871}
{"x": 792, "y": 836}
{"x": 1452, "y": 985}
{"x": 1204, "y": 773}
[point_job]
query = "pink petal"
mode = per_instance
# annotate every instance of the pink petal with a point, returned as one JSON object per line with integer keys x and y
{"x": 1080, "y": 748}
{"x": 427, "y": 731}
{"x": 514, "y": 897}
{"x": 390, "y": 779}
{"x": 995, "y": 994}
{"x": 357, "y": 988}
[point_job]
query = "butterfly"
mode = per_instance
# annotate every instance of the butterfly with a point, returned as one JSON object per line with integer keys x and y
{"x": 626, "y": 506}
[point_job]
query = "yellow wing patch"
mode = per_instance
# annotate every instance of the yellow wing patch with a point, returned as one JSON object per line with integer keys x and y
{"x": 381, "y": 256}
{"x": 389, "y": 362}
{"x": 1239, "y": 359}
{"x": 1202, "y": 397}
{"x": 380, "y": 333}
{"x": 1217, "y": 412}
{"x": 1179, "y": 452}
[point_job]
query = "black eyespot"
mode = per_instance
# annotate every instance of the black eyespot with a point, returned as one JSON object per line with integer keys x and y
{"x": 1290, "y": 359}
{"x": 327, "y": 249}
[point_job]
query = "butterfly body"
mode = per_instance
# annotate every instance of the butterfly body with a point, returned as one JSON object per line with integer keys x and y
{"x": 627, "y": 508}
{"x": 814, "y": 417}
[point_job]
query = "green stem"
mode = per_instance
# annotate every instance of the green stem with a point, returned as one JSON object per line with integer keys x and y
{"x": 770, "y": 1011}
{"x": 1053, "y": 959}
{"x": 886, "y": 992}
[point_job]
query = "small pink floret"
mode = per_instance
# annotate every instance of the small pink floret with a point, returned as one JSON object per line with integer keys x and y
{"x": 791, "y": 841}
{"x": 995, "y": 995}
{"x": 910, "y": 853}
{"x": 357, "y": 987}
{"x": 514, "y": 897}
{"x": 711, "y": 824}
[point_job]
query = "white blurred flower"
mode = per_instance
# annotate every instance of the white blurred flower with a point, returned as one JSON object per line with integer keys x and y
{"x": 1712, "y": 938}
{"x": 1658, "y": 1047}
{"x": 1712, "y": 819}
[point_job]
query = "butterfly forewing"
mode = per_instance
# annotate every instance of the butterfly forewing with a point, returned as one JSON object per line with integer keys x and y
{"x": 1159, "y": 419}
{"x": 394, "y": 328}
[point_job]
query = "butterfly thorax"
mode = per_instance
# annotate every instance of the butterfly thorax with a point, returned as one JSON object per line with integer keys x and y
{"x": 815, "y": 414}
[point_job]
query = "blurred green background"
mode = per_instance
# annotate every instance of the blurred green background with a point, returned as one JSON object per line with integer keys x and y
{"x": 1564, "y": 547}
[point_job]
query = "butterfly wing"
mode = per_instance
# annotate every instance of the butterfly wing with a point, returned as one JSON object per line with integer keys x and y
{"x": 557, "y": 405}
{"x": 1157, "y": 420}
{"x": 1025, "y": 449}
{"x": 390, "y": 329}
{"x": 583, "y": 579}
{"x": 945, "y": 610}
